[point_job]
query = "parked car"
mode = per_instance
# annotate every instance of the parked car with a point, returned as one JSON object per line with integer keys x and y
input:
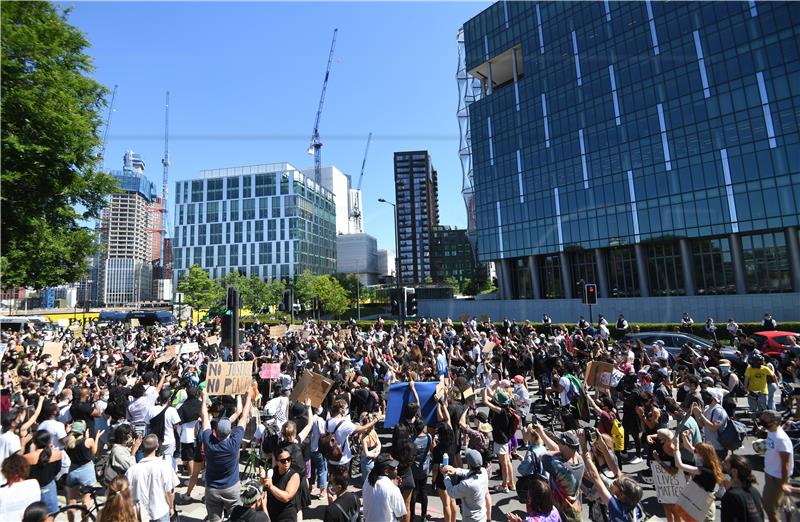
{"x": 674, "y": 341}
{"x": 18, "y": 323}
{"x": 773, "y": 343}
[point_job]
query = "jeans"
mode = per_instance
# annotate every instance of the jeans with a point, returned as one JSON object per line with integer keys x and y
{"x": 772, "y": 388}
{"x": 220, "y": 500}
{"x": 757, "y": 402}
{"x": 50, "y": 496}
{"x": 420, "y": 495}
{"x": 366, "y": 466}
{"x": 321, "y": 469}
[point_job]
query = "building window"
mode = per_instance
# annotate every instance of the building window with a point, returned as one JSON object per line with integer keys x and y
{"x": 233, "y": 255}
{"x": 221, "y": 255}
{"x": 216, "y": 234}
{"x": 766, "y": 263}
{"x": 623, "y": 277}
{"x": 248, "y": 209}
{"x": 713, "y": 266}
{"x": 265, "y": 185}
{"x": 214, "y": 190}
{"x": 665, "y": 268}
{"x": 521, "y": 279}
{"x": 201, "y": 234}
{"x": 212, "y": 212}
{"x": 233, "y": 188}
{"x": 550, "y": 277}
{"x": 190, "y": 214}
{"x": 583, "y": 269}
{"x": 234, "y": 210}
{"x": 237, "y": 232}
{"x": 247, "y": 186}
{"x": 263, "y": 207}
{"x": 197, "y": 191}
{"x": 259, "y": 231}
{"x": 209, "y": 256}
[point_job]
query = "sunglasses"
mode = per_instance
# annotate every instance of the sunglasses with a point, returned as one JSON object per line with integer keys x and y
{"x": 285, "y": 461}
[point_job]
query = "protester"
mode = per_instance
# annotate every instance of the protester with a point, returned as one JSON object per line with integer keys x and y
{"x": 254, "y": 504}
{"x": 472, "y": 488}
{"x": 778, "y": 463}
{"x": 45, "y": 463}
{"x": 706, "y": 473}
{"x": 81, "y": 476}
{"x": 382, "y": 498}
{"x": 539, "y": 506}
{"x": 741, "y": 501}
{"x": 343, "y": 505}
{"x": 153, "y": 481}
{"x": 119, "y": 506}
{"x": 281, "y": 487}
{"x": 565, "y": 467}
{"x": 19, "y": 491}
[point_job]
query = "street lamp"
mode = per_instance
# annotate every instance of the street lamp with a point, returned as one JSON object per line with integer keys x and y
{"x": 396, "y": 255}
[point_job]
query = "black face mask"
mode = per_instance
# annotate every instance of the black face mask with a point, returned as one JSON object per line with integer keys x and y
{"x": 391, "y": 473}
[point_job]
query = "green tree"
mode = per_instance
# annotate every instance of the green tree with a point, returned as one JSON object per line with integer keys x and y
{"x": 200, "y": 291}
{"x": 453, "y": 283}
{"x": 51, "y": 115}
{"x": 260, "y": 294}
{"x": 304, "y": 290}
{"x": 333, "y": 297}
{"x": 350, "y": 283}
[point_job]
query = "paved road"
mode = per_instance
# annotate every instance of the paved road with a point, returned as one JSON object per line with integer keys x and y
{"x": 503, "y": 503}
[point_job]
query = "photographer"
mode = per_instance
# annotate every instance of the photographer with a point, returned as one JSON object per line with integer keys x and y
{"x": 123, "y": 452}
{"x": 620, "y": 498}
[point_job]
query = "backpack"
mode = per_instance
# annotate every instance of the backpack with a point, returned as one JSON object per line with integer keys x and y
{"x": 329, "y": 446}
{"x": 158, "y": 424}
{"x": 514, "y": 424}
{"x": 618, "y": 435}
{"x": 732, "y": 435}
{"x": 422, "y": 461}
{"x": 354, "y": 515}
{"x": 271, "y": 436}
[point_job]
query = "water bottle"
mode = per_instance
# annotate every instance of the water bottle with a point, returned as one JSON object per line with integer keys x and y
{"x": 445, "y": 460}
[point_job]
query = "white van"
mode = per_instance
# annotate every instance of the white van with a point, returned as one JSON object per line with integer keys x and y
{"x": 17, "y": 323}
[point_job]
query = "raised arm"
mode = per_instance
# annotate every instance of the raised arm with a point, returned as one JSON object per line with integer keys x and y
{"x": 27, "y": 425}
{"x": 204, "y": 420}
{"x": 310, "y": 424}
{"x": 552, "y": 446}
{"x": 594, "y": 476}
{"x": 692, "y": 470}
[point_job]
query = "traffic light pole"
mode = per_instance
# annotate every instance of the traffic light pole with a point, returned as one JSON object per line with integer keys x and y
{"x": 590, "y": 315}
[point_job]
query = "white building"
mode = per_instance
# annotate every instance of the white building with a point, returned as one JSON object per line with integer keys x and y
{"x": 347, "y": 199}
{"x": 358, "y": 254}
{"x": 386, "y": 263}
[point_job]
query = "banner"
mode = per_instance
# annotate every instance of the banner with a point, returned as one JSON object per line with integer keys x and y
{"x": 54, "y": 350}
{"x": 229, "y": 378}
{"x": 212, "y": 340}
{"x": 311, "y": 386}
{"x": 134, "y": 323}
{"x": 488, "y": 347}
{"x": 277, "y": 331}
{"x": 400, "y": 395}
{"x": 270, "y": 371}
{"x": 344, "y": 334}
{"x": 189, "y": 348}
{"x": 167, "y": 356}
{"x": 694, "y": 502}
{"x": 599, "y": 374}
{"x": 668, "y": 487}
{"x": 295, "y": 328}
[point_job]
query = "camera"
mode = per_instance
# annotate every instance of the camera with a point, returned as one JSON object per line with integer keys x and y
{"x": 587, "y": 432}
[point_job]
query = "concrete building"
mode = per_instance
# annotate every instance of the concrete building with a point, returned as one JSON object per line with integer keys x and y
{"x": 127, "y": 227}
{"x": 268, "y": 220}
{"x": 417, "y": 200}
{"x": 347, "y": 199}
{"x": 387, "y": 263}
{"x": 650, "y": 148}
{"x": 358, "y": 254}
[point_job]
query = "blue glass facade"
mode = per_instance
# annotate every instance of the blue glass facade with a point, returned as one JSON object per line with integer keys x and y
{"x": 264, "y": 220}
{"x": 649, "y": 147}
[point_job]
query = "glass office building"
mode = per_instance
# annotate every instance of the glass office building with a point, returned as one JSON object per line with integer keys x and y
{"x": 651, "y": 148}
{"x": 264, "y": 220}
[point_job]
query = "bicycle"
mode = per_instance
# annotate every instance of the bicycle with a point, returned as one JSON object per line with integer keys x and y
{"x": 84, "y": 514}
{"x": 548, "y": 412}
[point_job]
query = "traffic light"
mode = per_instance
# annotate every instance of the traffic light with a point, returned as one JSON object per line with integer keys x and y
{"x": 590, "y": 293}
{"x": 286, "y": 305}
{"x": 395, "y": 307}
{"x": 410, "y": 298}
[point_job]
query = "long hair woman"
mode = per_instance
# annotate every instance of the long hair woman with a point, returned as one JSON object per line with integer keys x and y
{"x": 119, "y": 505}
{"x": 540, "y": 506}
{"x": 45, "y": 462}
{"x": 444, "y": 443}
{"x": 81, "y": 475}
{"x": 707, "y": 473}
{"x": 741, "y": 501}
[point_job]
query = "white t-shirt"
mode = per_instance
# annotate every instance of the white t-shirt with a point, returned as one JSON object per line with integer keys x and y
{"x": 150, "y": 479}
{"x": 57, "y": 431}
{"x": 566, "y": 385}
{"x": 9, "y": 444}
{"x": 171, "y": 418}
{"x": 188, "y": 432}
{"x": 16, "y": 498}
{"x": 342, "y": 435}
{"x": 383, "y": 501}
{"x": 778, "y": 442}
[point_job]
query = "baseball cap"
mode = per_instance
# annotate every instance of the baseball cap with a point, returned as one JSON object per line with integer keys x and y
{"x": 223, "y": 428}
{"x": 569, "y": 439}
{"x": 79, "y": 427}
{"x": 251, "y": 491}
{"x": 501, "y": 398}
{"x": 385, "y": 460}
{"x": 473, "y": 458}
{"x": 481, "y": 416}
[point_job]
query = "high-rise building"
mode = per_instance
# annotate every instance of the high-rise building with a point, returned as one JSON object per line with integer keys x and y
{"x": 387, "y": 263}
{"x": 451, "y": 254}
{"x": 417, "y": 200}
{"x": 357, "y": 254}
{"x": 347, "y": 199}
{"x": 651, "y": 148}
{"x": 124, "y": 275}
{"x": 265, "y": 220}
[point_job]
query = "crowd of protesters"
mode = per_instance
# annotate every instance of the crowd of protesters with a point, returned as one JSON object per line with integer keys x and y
{"x": 116, "y": 414}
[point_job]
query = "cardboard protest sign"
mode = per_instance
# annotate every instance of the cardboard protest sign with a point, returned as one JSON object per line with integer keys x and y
{"x": 134, "y": 323}
{"x": 212, "y": 340}
{"x": 277, "y": 331}
{"x": 311, "y": 386}
{"x": 694, "y": 502}
{"x": 599, "y": 374}
{"x": 464, "y": 318}
{"x": 53, "y": 349}
{"x": 488, "y": 347}
{"x": 167, "y": 356}
{"x": 229, "y": 378}
{"x": 295, "y": 328}
{"x": 270, "y": 371}
{"x": 400, "y": 395}
{"x": 189, "y": 348}
{"x": 668, "y": 487}
{"x": 344, "y": 334}
{"x": 440, "y": 390}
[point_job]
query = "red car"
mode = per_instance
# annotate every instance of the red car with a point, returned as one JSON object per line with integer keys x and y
{"x": 773, "y": 343}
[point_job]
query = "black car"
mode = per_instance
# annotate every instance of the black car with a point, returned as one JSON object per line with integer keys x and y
{"x": 674, "y": 341}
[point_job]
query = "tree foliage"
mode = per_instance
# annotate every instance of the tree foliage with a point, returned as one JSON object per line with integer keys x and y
{"x": 332, "y": 296}
{"x": 51, "y": 116}
{"x": 199, "y": 290}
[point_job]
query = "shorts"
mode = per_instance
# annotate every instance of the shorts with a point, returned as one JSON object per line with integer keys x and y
{"x": 500, "y": 449}
{"x": 187, "y": 451}
{"x": 83, "y": 477}
{"x": 772, "y": 497}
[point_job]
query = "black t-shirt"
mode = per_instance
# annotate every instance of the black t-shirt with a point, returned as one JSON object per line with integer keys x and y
{"x": 246, "y": 514}
{"x": 742, "y": 505}
{"x": 349, "y": 509}
{"x": 456, "y": 410}
{"x": 501, "y": 424}
{"x": 82, "y": 411}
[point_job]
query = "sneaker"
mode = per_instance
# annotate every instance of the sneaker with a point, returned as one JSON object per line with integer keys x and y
{"x": 636, "y": 460}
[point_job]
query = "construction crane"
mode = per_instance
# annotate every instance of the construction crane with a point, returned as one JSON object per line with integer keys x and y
{"x": 164, "y": 183}
{"x": 355, "y": 214}
{"x": 105, "y": 131}
{"x": 316, "y": 145}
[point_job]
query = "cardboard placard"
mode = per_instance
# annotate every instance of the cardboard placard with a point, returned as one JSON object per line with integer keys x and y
{"x": 295, "y": 328}
{"x": 189, "y": 348}
{"x": 229, "y": 378}
{"x": 344, "y": 334}
{"x": 488, "y": 347}
{"x": 668, "y": 487}
{"x": 311, "y": 386}
{"x": 277, "y": 331}
{"x": 270, "y": 371}
{"x": 599, "y": 374}
{"x": 167, "y": 356}
{"x": 54, "y": 350}
{"x": 134, "y": 323}
{"x": 464, "y": 318}
{"x": 212, "y": 340}
{"x": 694, "y": 502}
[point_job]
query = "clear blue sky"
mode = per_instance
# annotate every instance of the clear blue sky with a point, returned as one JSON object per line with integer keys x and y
{"x": 245, "y": 80}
